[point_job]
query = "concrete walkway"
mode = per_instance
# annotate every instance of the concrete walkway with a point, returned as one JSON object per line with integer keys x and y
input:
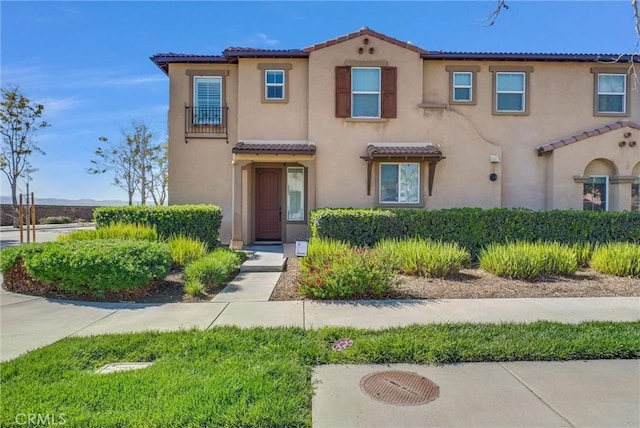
{"x": 594, "y": 393}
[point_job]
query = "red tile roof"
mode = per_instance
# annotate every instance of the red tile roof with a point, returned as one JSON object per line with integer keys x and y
{"x": 549, "y": 147}
{"x": 365, "y": 32}
{"x": 240, "y": 52}
{"x": 401, "y": 151}
{"x": 519, "y": 56}
{"x": 275, "y": 148}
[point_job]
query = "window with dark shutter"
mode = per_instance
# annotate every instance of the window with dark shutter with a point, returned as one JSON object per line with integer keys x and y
{"x": 389, "y": 92}
{"x": 343, "y": 91}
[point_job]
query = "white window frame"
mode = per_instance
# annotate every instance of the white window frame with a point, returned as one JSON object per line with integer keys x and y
{"x": 606, "y": 186}
{"x": 469, "y": 86}
{"x": 302, "y": 196}
{"x": 268, "y": 85}
{"x": 523, "y": 92}
{"x": 623, "y": 93}
{"x": 378, "y": 93}
{"x": 196, "y": 119}
{"x": 398, "y": 202}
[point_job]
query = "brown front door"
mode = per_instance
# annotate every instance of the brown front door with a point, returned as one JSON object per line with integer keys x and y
{"x": 268, "y": 204}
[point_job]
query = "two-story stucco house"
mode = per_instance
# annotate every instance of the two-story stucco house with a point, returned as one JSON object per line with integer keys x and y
{"x": 365, "y": 120}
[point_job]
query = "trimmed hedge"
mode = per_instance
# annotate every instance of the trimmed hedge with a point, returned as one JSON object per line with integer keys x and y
{"x": 474, "y": 228}
{"x": 197, "y": 221}
{"x": 93, "y": 266}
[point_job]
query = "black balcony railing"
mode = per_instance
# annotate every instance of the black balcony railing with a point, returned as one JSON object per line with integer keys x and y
{"x": 206, "y": 120}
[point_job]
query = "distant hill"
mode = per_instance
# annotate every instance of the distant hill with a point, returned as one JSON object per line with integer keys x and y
{"x": 72, "y": 202}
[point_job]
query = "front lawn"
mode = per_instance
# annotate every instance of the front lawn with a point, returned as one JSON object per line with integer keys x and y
{"x": 261, "y": 377}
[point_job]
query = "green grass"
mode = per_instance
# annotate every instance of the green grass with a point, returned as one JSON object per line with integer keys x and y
{"x": 420, "y": 257}
{"x": 114, "y": 231}
{"x": 185, "y": 249}
{"x": 527, "y": 260}
{"x": 620, "y": 259}
{"x": 262, "y": 377}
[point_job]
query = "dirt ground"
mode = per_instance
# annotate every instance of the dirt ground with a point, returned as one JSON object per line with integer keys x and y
{"x": 475, "y": 283}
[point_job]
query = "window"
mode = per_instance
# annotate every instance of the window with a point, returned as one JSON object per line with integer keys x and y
{"x": 635, "y": 195}
{"x": 462, "y": 87}
{"x": 207, "y": 99}
{"x": 400, "y": 183}
{"x": 274, "y": 84}
{"x": 365, "y": 90}
{"x": 295, "y": 194}
{"x": 510, "y": 93}
{"x": 596, "y": 193}
{"x": 511, "y": 90}
{"x": 612, "y": 93}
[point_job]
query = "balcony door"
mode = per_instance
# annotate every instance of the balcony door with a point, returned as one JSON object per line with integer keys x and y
{"x": 268, "y": 203}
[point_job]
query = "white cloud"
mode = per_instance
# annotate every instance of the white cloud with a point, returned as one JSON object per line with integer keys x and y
{"x": 135, "y": 80}
{"x": 56, "y": 106}
{"x": 261, "y": 38}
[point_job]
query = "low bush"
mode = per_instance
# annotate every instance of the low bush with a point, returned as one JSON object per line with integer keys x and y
{"x": 55, "y": 220}
{"x": 527, "y": 260}
{"x": 420, "y": 257}
{"x": 114, "y": 231}
{"x": 198, "y": 221}
{"x": 185, "y": 249}
{"x": 620, "y": 259}
{"x": 213, "y": 269}
{"x": 97, "y": 266}
{"x": 348, "y": 273}
{"x": 195, "y": 288}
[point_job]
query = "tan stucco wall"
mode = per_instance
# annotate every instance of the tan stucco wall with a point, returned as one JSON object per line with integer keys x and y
{"x": 599, "y": 155}
{"x": 560, "y": 104}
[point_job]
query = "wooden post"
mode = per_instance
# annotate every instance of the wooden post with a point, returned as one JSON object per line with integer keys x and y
{"x": 33, "y": 216}
{"x": 21, "y": 219}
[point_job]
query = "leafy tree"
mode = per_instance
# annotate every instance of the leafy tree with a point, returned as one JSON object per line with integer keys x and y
{"x": 135, "y": 162}
{"x": 20, "y": 120}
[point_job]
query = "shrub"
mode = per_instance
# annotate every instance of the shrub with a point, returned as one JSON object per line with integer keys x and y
{"x": 185, "y": 249}
{"x": 526, "y": 260}
{"x": 98, "y": 266}
{"x": 198, "y": 221}
{"x": 620, "y": 259}
{"x": 473, "y": 228}
{"x": 55, "y": 220}
{"x": 213, "y": 269}
{"x": 349, "y": 273}
{"x": 421, "y": 257}
{"x": 114, "y": 231}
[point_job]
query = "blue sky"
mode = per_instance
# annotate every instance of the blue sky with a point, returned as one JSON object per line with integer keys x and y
{"x": 88, "y": 61}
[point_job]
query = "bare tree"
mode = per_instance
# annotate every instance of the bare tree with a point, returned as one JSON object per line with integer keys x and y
{"x": 20, "y": 120}
{"x": 160, "y": 175}
{"x": 133, "y": 161}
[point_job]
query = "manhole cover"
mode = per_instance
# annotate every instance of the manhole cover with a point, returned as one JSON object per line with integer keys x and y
{"x": 399, "y": 388}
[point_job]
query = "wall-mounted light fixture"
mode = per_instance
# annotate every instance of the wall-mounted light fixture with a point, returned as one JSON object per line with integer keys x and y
{"x": 494, "y": 159}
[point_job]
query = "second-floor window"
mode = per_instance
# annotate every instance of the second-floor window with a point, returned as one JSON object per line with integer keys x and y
{"x": 274, "y": 85}
{"x": 510, "y": 92}
{"x": 462, "y": 86}
{"x": 207, "y": 100}
{"x": 612, "y": 93}
{"x": 365, "y": 92}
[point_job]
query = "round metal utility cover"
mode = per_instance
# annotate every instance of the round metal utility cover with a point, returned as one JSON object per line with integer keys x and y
{"x": 399, "y": 388}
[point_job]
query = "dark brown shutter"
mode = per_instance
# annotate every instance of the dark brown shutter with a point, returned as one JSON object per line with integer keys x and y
{"x": 343, "y": 91}
{"x": 389, "y": 92}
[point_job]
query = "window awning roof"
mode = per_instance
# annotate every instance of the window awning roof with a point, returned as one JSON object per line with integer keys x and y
{"x": 275, "y": 147}
{"x": 425, "y": 151}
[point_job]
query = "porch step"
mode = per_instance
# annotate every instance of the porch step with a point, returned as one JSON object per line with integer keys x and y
{"x": 263, "y": 258}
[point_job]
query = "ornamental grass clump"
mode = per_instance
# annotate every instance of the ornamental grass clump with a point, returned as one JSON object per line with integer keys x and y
{"x": 420, "y": 257}
{"x": 214, "y": 269}
{"x": 140, "y": 232}
{"x": 527, "y": 260}
{"x": 334, "y": 270}
{"x": 583, "y": 252}
{"x": 619, "y": 259}
{"x": 185, "y": 249}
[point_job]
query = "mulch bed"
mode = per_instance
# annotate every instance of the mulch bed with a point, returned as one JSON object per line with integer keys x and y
{"x": 474, "y": 283}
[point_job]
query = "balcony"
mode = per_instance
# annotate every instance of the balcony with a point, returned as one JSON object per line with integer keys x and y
{"x": 205, "y": 122}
